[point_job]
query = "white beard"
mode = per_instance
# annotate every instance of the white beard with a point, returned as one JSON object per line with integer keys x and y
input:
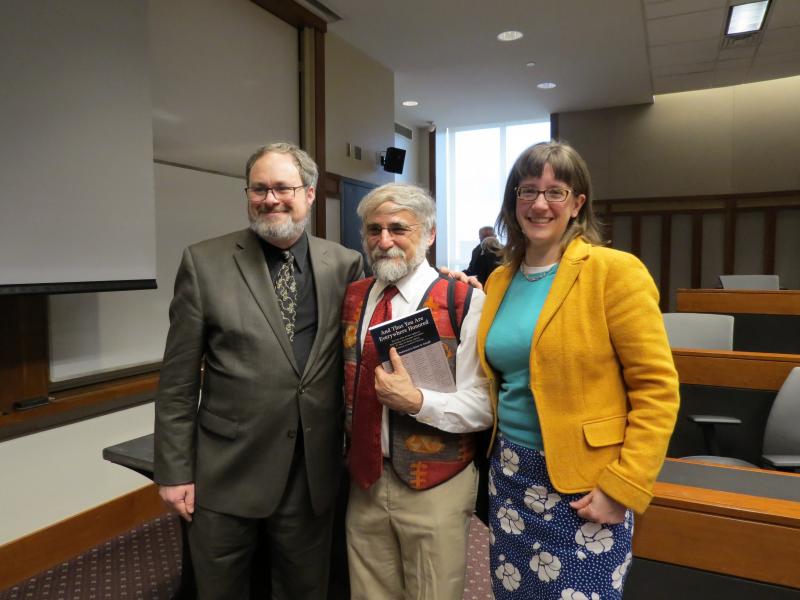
{"x": 390, "y": 266}
{"x": 283, "y": 230}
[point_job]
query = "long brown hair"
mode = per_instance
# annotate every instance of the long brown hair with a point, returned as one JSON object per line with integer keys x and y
{"x": 569, "y": 167}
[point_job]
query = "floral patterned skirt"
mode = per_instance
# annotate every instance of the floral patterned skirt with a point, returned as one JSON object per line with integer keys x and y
{"x": 540, "y": 547}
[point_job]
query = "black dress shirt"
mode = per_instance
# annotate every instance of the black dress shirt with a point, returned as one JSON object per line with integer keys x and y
{"x": 305, "y": 327}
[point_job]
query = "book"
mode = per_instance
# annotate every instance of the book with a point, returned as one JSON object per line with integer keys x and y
{"x": 420, "y": 347}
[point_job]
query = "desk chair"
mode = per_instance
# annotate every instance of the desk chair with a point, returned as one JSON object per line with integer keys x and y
{"x": 704, "y": 331}
{"x": 749, "y": 282}
{"x": 781, "y": 449}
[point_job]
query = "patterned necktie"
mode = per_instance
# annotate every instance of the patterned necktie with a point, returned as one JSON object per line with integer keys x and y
{"x": 366, "y": 457}
{"x": 286, "y": 290}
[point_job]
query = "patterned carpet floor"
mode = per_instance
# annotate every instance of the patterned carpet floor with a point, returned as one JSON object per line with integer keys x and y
{"x": 144, "y": 564}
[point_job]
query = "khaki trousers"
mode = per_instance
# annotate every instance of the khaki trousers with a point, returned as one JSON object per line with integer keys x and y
{"x": 404, "y": 544}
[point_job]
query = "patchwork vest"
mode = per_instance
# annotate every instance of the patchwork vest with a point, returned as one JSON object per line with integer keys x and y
{"x": 421, "y": 456}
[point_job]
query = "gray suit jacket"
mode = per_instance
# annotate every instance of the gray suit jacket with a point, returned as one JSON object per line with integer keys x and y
{"x": 237, "y": 447}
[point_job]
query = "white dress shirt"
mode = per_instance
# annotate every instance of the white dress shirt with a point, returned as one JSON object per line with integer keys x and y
{"x": 466, "y": 409}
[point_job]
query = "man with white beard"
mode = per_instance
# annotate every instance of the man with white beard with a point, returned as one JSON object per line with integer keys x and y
{"x": 259, "y": 460}
{"x": 413, "y": 481}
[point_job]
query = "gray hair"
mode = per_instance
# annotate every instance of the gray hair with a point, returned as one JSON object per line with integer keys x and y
{"x": 304, "y": 163}
{"x": 407, "y": 197}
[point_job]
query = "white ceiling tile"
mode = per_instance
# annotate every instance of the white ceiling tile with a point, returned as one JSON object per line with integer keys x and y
{"x": 678, "y": 7}
{"x": 775, "y": 69}
{"x": 737, "y": 52}
{"x": 783, "y": 13}
{"x": 683, "y": 69}
{"x": 686, "y": 28}
{"x": 780, "y": 41}
{"x": 726, "y": 77}
{"x": 734, "y": 63}
{"x": 687, "y": 52}
{"x": 786, "y": 57}
{"x": 680, "y": 83}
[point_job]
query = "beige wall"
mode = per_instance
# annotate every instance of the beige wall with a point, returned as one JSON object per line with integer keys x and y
{"x": 55, "y": 474}
{"x": 727, "y": 140}
{"x": 738, "y": 139}
{"x": 359, "y": 109}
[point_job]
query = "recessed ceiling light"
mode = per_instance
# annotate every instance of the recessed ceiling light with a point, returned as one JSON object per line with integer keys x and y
{"x": 746, "y": 18}
{"x": 509, "y": 36}
{"x": 546, "y": 85}
{"x": 530, "y": 64}
{"x": 410, "y": 103}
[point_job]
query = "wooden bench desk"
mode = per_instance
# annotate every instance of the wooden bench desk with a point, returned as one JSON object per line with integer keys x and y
{"x": 764, "y": 320}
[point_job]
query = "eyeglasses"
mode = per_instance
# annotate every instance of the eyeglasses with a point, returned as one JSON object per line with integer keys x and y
{"x": 396, "y": 230}
{"x": 259, "y": 193}
{"x": 528, "y": 195}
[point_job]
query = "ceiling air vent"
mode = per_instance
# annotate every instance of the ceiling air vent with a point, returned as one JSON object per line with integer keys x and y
{"x": 402, "y": 130}
{"x": 741, "y": 41}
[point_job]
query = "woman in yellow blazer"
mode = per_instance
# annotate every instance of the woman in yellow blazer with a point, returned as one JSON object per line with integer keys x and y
{"x": 584, "y": 389}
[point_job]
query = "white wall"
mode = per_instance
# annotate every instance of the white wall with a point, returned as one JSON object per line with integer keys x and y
{"x": 215, "y": 96}
{"x": 52, "y": 475}
{"x": 359, "y": 109}
{"x": 215, "y": 100}
{"x": 731, "y": 140}
{"x": 98, "y": 332}
{"x": 76, "y": 143}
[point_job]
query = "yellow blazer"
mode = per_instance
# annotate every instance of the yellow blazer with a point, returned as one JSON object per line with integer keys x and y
{"x": 602, "y": 375}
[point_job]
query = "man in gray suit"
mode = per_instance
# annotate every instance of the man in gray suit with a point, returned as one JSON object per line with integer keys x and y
{"x": 260, "y": 457}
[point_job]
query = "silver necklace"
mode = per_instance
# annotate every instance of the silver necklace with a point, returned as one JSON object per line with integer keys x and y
{"x": 537, "y": 276}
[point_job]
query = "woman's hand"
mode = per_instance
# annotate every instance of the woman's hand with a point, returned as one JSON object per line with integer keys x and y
{"x": 461, "y": 276}
{"x": 598, "y": 507}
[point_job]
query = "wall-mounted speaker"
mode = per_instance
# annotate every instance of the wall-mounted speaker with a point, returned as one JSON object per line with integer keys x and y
{"x": 394, "y": 159}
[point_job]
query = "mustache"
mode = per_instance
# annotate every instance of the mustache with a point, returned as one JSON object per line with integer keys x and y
{"x": 264, "y": 210}
{"x": 378, "y": 254}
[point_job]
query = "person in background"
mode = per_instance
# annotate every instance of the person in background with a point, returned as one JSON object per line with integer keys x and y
{"x": 485, "y": 256}
{"x": 413, "y": 481}
{"x": 583, "y": 384}
{"x": 259, "y": 460}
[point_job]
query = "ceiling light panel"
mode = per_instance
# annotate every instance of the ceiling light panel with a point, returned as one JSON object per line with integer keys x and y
{"x": 509, "y": 36}
{"x": 746, "y": 18}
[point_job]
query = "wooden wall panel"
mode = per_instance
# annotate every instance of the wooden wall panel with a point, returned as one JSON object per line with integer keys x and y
{"x": 733, "y": 546}
{"x": 757, "y": 302}
{"x": 749, "y": 370}
{"x": 24, "y": 362}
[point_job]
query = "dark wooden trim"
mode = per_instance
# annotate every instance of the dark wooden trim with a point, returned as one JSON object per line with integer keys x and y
{"x": 666, "y": 261}
{"x": 319, "y": 130}
{"x": 636, "y": 235}
{"x": 74, "y": 405}
{"x": 757, "y": 302}
{"x": 734, "y": 369}
{"x": 722, "y": 532}
{"x": 784, "y": 198}
{"x": 24, "y": 362}
{"x": 432, "y": 163}
{"x": 729, "y": 241}
{"x": 608, "y": 225}
{"x": 333, "y": 185}
{"x": 293, "y": 13}
{"x": 770, "y": 224}
{"x": 41, "y": 550}
{"x": 697, "y": 250}
{"x": 554, "y": 126}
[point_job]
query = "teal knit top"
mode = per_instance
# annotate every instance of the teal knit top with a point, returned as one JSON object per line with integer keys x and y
{"x": 508, "y": 350}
